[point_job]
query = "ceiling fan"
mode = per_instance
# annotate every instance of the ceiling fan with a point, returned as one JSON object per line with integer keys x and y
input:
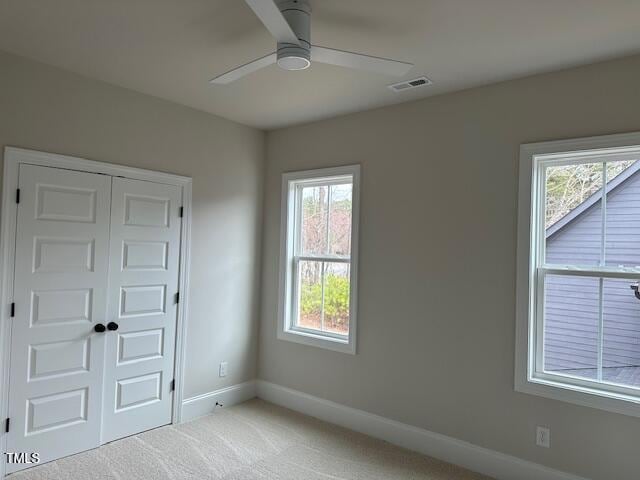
{"x": 289, "y": 21}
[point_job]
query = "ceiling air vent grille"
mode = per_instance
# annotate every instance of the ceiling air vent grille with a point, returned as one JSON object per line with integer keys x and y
{"x": 410, "y": 84}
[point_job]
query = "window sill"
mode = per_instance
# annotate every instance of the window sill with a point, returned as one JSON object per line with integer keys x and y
{"x": 320, "y": 341}
{"x": 584, "y": 396}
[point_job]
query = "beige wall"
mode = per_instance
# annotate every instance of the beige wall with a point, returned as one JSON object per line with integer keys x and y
{"x": 437, "y": 263}
{"x": 47, "y": 109}
{"x": 437, "y": 242}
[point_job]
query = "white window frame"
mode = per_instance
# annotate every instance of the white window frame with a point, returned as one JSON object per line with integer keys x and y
{"x": 290, "y": 218}
{"x": 529, "y": 375}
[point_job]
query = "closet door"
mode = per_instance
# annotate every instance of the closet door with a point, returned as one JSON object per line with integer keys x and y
{"x": 60, "y": 283}
{"x": 142, "y": 311}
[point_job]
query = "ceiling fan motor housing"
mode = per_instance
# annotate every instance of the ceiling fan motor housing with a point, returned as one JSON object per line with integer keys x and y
{"x": 298, "y": 15}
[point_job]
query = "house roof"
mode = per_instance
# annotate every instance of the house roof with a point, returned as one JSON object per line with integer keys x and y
{"x": 592, "y": 200}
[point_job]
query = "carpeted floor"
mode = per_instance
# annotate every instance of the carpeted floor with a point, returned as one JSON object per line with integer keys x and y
{"x": 254, "y": 440}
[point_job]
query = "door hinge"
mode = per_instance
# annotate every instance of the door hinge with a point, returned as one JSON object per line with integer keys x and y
{"x": 18, "y": 195}
{"x": 181, "y": 212}
{"x": 173, "y": 385}
{"x": 6, "y": 425}
{"x": 177, "y": 297}
{"x": 13, "y": 310}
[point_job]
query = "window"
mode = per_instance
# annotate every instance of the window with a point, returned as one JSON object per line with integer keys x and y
{"x": 318, "y": 269}
{"x": 578, "y": 318}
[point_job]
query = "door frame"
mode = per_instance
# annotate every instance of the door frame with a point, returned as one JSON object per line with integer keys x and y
{"x": 13, "y": 158}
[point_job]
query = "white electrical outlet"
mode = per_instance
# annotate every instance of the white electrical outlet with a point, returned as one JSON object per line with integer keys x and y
{"x": 223, "y": 369}
{"x": 543, "y": 437}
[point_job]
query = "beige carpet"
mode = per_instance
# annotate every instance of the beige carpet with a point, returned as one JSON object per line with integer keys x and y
{"x": 254, "y": 440}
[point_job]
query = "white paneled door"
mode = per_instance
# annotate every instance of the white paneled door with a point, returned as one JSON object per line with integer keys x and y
{"x": 142, "y": 310}
{"x": 93, "y": 336}
{"x": 60, "y": 286}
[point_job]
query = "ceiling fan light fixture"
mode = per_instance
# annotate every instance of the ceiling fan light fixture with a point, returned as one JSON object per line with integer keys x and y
{"x": 293, "y": 57}
{"x": 297, "y": 56}
{"x": 293, "y": 63}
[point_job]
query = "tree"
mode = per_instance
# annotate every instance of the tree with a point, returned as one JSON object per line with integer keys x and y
{"x": 570, "y": 185}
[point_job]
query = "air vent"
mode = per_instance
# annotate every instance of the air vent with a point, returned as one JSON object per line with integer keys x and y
{"x": 409, "y": 84}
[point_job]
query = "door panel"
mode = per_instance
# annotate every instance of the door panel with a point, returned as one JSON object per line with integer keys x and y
{"x": 57, "y": 360}
{"x": 58, "y": 306}
{"x": 54, "y": 412}
{"x": 143, "y": 281}
{"x": 140, "y": 346}
{"x": 144, "y": 255}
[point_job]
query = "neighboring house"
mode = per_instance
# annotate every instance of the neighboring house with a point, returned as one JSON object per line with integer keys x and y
{"x": 572, "y": 303}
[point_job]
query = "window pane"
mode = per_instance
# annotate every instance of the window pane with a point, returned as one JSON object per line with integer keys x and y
{"x": 573, "y": 215}
{"x": 621, "y": 343}
{"x": 314, "y": 220}
{"x": 324, "y": 309}
{"x": 623, "y": 214}
{"x": 340, "y": 220}
{"x": 336, "y": 297}
{"x": 310, "y": 295}
{"x": 571, "y": 317}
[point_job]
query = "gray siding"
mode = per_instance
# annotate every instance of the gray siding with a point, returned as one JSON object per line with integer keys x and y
{"x": 571, "y": 303}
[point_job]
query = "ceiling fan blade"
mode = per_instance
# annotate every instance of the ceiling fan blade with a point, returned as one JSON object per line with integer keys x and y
{"x": 357, "y": 60}
{"x": 269, "y": 14}
{"x": 245, "y": 69}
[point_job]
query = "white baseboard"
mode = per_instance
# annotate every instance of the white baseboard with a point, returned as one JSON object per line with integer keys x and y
{"x": 482, "y": 460}
{"x": 204, "y": 404}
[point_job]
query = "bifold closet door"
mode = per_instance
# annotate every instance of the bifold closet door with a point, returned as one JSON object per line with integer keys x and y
{"x": 60, "y": 285}
{"x": 142, "y": 310}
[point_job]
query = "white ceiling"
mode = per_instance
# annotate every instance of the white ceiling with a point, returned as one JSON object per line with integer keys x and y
{"x": 171, "y": 48}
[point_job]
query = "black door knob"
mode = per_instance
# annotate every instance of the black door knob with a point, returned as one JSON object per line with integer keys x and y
{"x": 99, "y": 328}
{"x": 112, "y": 326}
